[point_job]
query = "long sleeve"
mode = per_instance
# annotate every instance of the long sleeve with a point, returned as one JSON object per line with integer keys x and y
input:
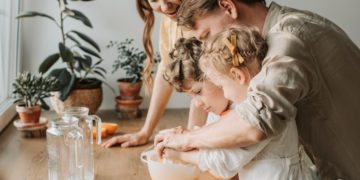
{"x": 272, "y": 94}
{"x": 225, "y": 163}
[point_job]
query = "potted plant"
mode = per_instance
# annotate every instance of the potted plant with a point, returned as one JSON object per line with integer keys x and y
{"x": 131, "y": 60}
{"x": 76, "y": 88}
{"x": 30, "y": 93}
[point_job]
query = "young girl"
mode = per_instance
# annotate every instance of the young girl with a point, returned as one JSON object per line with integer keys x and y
{"x": 231, "y": 61}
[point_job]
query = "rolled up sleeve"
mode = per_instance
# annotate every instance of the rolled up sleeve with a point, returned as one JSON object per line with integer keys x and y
{"x": 273, "y": 93}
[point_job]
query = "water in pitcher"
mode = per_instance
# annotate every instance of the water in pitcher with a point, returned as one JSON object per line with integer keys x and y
{"x": 65, "y": 143}
{"x": 86, "y": 124}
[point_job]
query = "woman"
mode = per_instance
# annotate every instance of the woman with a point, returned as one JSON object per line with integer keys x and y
{"x": 169, "y": 32}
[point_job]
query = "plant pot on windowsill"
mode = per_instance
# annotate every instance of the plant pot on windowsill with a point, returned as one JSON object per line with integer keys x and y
{"x": 87, "y": 93}
{"x": 128, "y": 89}
{"x": 31, "y": 92}
{"x": 128, "y": 108}
{"x": 29, "y": 114}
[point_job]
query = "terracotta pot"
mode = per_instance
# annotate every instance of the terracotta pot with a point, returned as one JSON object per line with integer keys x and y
{"x": 91, "y": 98}
{"x": 129, "y": 90}
{"x": 29, "y": 114}
{"x": 128, "y": 108}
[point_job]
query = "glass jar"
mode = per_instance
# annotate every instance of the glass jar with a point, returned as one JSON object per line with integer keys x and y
{"x": 65, "y": 144}
{"x": 86, "y": 124}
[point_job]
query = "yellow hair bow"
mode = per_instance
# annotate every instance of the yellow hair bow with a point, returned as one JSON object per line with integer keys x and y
{"x": 237, "y": 59}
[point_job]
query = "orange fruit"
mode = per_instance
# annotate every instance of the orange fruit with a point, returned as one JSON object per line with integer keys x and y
{"x": 110, "y": 127}
{"x": 106, "y": 129}
{"x": 103, "y": 132}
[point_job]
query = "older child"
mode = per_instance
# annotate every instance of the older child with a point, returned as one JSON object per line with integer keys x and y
{"x": 231, "y": 61}
{"x": 278, "y": 157}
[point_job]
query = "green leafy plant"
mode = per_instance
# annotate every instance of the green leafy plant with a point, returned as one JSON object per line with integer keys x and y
{"x": 130, "y": 59}
{"x": 32, "y": 90}
{"x": 81, "y": 60}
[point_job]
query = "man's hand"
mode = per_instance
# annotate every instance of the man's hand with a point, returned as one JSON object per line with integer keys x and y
{"x": 127, "y": 140}
{"x": 175, "y": 138}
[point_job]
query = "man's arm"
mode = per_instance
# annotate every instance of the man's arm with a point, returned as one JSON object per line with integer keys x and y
{"x": 230, "y": 131}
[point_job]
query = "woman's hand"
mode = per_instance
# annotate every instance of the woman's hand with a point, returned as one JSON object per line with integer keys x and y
{"x": 127, "y": 140}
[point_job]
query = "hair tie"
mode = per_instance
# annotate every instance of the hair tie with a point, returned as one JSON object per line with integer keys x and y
{"x": 237, "y": 59}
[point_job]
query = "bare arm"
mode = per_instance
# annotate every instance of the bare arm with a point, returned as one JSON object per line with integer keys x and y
{"x": 197, "y": 116}
{"x": 191, "y": 157}
{"x": 160, "y": 97}
{"x": 230, "y": 131}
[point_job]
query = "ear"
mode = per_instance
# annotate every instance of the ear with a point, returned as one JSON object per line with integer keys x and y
{"x": 229, "y": 7}
{"x": 240, "y": 75}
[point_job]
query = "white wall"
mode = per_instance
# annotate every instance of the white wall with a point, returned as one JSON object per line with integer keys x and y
{"x": 111, "y": 19}
{"x": 118, "y": 19}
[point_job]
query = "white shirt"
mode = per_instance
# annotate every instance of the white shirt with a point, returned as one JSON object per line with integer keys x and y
{"x": 276, "y": 158}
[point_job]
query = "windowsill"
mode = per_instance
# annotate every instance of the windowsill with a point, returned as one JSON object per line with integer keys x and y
{"x": 7, "y": 113}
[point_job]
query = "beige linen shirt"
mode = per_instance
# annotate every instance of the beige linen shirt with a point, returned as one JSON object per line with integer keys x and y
{"x": 311, "y": 74}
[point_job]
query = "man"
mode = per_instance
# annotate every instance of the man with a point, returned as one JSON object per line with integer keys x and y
{"x": 323, "y": 94}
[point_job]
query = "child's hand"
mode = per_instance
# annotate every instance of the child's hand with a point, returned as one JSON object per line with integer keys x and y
{"x": 171, "y": 154}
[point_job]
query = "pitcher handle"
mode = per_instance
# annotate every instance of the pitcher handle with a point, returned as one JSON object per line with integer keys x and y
{"x": 97, "y": 120}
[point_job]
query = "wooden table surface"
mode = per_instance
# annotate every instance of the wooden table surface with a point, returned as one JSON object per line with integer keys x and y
{"x": 26, "y": 158}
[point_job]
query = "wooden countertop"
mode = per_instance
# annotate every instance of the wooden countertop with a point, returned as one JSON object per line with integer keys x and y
{"x": 26, "y": 158}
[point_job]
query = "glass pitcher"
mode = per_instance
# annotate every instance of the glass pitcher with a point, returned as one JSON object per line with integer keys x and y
{"x": 65, "y": 145}
{"x": 86, "y": 123}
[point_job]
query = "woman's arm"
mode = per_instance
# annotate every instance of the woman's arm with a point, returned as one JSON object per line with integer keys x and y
{"x": 160, "y": 95}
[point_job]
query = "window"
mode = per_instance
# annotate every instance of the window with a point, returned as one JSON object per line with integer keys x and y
{"x": 9, "y": 43}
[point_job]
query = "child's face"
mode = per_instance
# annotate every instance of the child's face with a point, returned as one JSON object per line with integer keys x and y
{"x": 233, "y": 89}
{"x": 208, "y": 96}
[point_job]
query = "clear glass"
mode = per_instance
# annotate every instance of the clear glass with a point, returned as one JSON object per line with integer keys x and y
{"x": 86, "y": 124}
{"x": 65, "y": 144}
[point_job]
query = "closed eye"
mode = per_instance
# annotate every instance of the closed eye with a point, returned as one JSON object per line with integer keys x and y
{"x": 204, "y": 35}
{"x": 196, "y": 92}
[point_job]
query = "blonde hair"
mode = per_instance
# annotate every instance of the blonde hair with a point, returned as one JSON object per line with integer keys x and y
{"x": 146, "y": 13}
{"x": 185, "y": 64}
{"x": 249, "y": 45}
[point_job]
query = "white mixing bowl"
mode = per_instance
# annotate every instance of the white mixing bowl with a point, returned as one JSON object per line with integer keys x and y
{"x": 168, "y": 171}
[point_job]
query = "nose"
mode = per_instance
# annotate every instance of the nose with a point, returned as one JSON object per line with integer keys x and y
{"x": 198, "y": 35}
{"x": 165, "y": 6}
{"x": 198, "y": 102}
{"x": 202, "y": 36}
